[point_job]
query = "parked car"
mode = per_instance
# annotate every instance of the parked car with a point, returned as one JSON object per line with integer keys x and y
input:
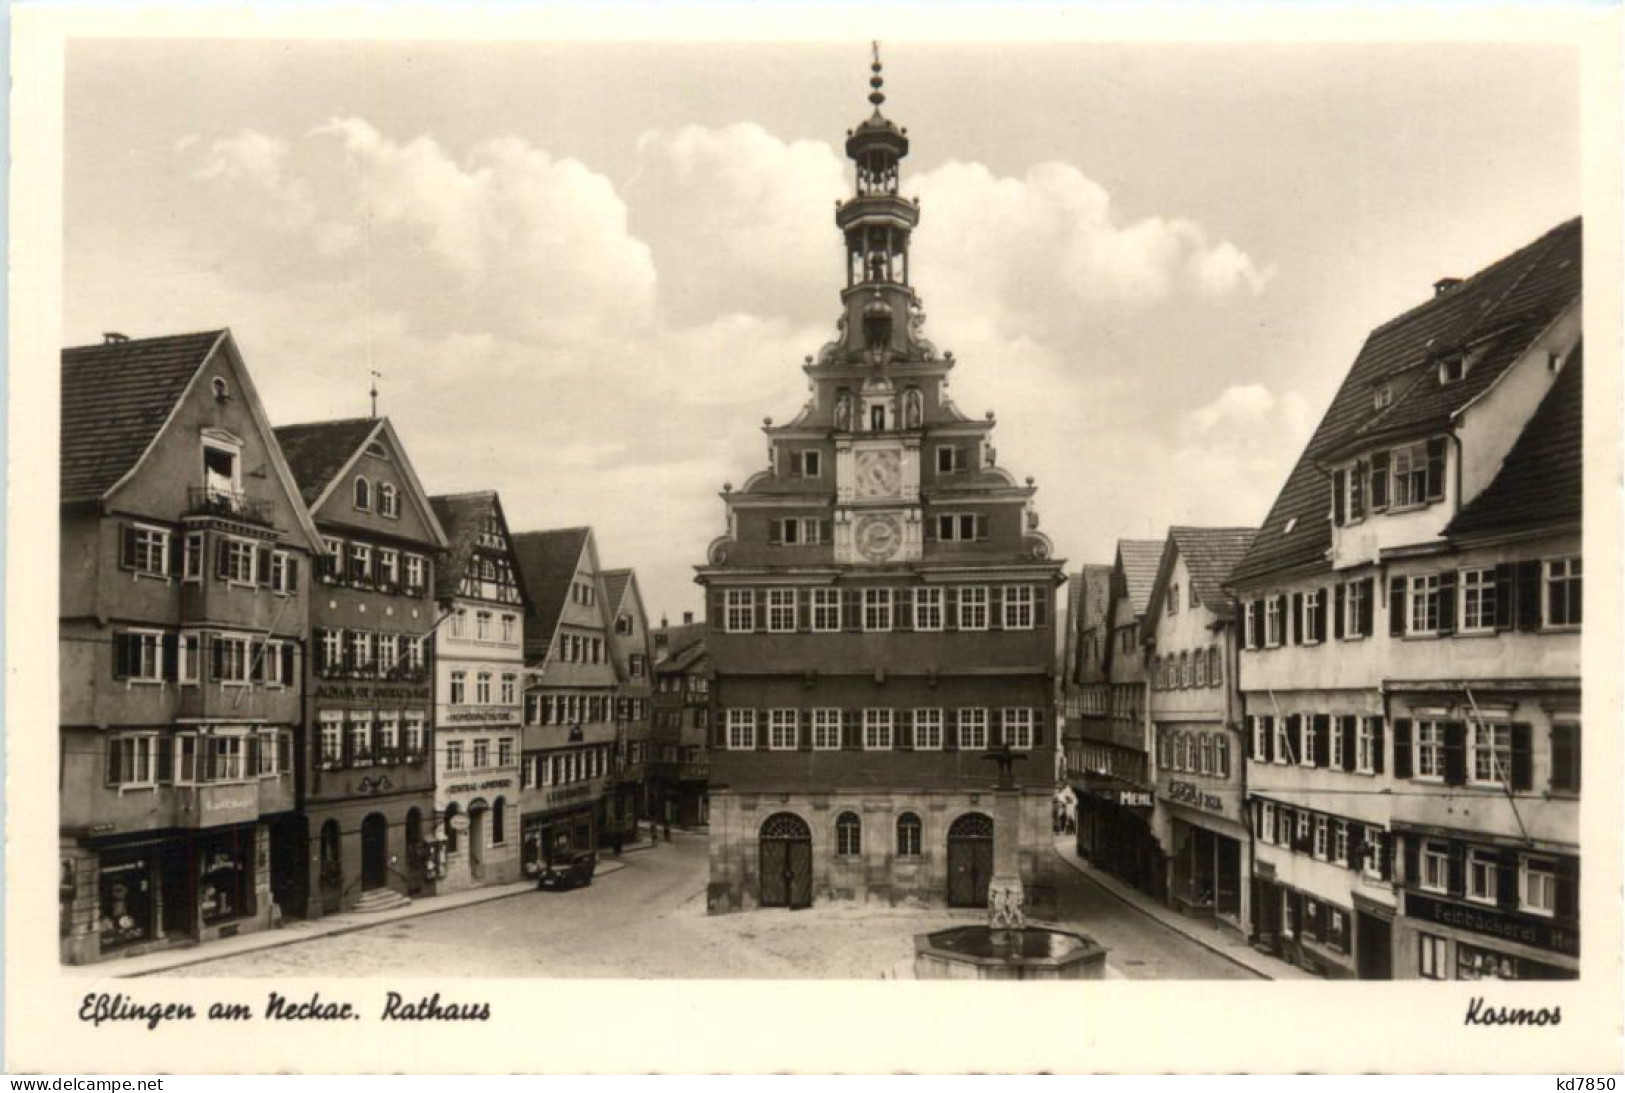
{"x": 573, "y": 870}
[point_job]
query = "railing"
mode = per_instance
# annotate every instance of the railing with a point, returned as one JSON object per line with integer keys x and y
{"x": 210, "y": 501}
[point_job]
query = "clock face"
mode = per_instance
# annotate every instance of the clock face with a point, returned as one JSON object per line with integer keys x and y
{"x": 878, "y": 537}
{"x": 879, "y": 474}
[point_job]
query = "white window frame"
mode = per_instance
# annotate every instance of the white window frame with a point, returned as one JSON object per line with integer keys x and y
{"x": 826, "y": 729}
{"x": 149, "y": 538}
{"x": 928, "y": 729}
{"x": 1432, "y": 956}
{"x": 389, "y": 566}
{"x": 781, "y": 610}
{"x": 388, "y": 739}
{"x": 1267, "y": 822}
{"x": 241, "y": 551}
{"x": 1340, "y": 841}
{"x": 741, "y": 730}
{"x": 1537, "y": 898}
{"x": 1408, "y": 466}
{"x": 739, "y": 610}
{"x": 389, "y": 501}
{"x": 1499, "y": 731}
{"x": 414, "y": 571}
{"x": 459, "y": 688}
{"x": 1353, "y": 607}
{"x": 1322, "y": 839}
{"x": 877, "y": 610}
{"x": 783, "y": 729}
{"x": 826, "y": 610}
{"x": 1480, "y": 861}
{"x": 414, "y": 732}
{"x": 1552, "y": 572}
{"x": 1308, "y": 622}
{"x": 510, "y": 689}
{"x": 138, "y": 750}
{"x": 973, "y": 607}
{"x": 149, "y": 639}
{"x": 1019, "y": 608}
{"x": 928, "y": 609}
{"x": 1475, "y": 593}
{"x": 1371, "y": 867}
{"x": 1306, "y": 740}
{"x": 1016, "y": 723}
{"x": 1422, "y": 604}
{"x": 1274, "y": 616}
{"x": 1365, "y": 746}
{"x": 971, "y": 727}
{"x": 1427, "y": 736}
{"x": 878, "y": 725}
{"x": 1283, "y": 740}
{"x": 1432, "y": 866}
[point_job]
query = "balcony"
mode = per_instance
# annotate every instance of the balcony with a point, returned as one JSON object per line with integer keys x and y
{"x": 228, "y": 505}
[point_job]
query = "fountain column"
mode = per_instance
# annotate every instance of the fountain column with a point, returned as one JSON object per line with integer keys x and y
{"x": 1006, "y": 898}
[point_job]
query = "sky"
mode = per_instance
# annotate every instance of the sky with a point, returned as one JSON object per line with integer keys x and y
{"x": 588, "y": 272}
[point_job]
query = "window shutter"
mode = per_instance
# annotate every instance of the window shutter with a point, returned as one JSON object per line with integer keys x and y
{"x": 257, "y": 652}
{"x": 1413, "y": 869}
{"x": 1368, "y": 606}
{"x": 1356, "y": 846}
{"x": 764, "y": 721}
{"x": 1337, "y": 611}
{"x": 126, "y": 550}
{"x": 1523, "y": 776}
{"x": 114, "y": 747}
{"x": 1435, "y": 472}
{"x": 824, "y": 535}
{"x": 1396, "y": 607}
{"x": 1294, "y": 736}
{"x": 1566, "y": 881}
{"x": 1377, "y": 746}
{"x": 903, "y": 609}
{"x": 1038, "y": 727}
{"x": 851, "y": 609}
{"x": 950, "y": 608}
{"x": 995, "y": 727}
{"x": 1041, "y": 595}
{"x": 251, "y": 755}
{"x": 775, "y": 531}
{"x": 1321, "y": 598}
{"x": 851, "y": 730}
{"x": 1455, "y": 753}
{"x": 1456, "y": 873}
{"x": 1339, "y": 490}
{"x": 121, "y": 656}
{"x": 293, "y": 573}
{"x": 1402, "y": 747}
{"x": 262, "y": 567}
{"x": 221, "y": 559}
{"x": 1505, "y": 584}
{"x": 1385, "y": 855}
{"x": 287, "y": 663}
{"x": 904, "y": 729}
{"x": 1379, "y": 481}
{"x": 995, "y": 608}
{"x": 166, "y": 759}
{"x": 1254, "y": 751}
{"x": 981, "y": 528}
{"x": 758, "y": 599}
{"x": 1528, "y": 597}
{"x": 930, "y": 528}
{"x": 804, "y": 737}
{"x": 1447, "y": 602}
{"x": 1321, "y": 728}
{"x": 950, "y": 730}
{"x": 176, "y": 550}
{"x": 804, "y": 609}
{"x": 1269, "y": 740}
{"x": 1506, "y": 880}
{"x": 1351, "y": 744}
{"x": 170, "y": 651}
{"x": 1295, "y": 623}
{"x": 1357, "y": 491}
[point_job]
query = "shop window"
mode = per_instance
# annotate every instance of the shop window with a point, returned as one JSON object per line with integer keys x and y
{"x": 848, "y": 835}
{"x": 1432, "y": 953}
{"x": 125, "y": 899}
{"x": 225, "y": 874}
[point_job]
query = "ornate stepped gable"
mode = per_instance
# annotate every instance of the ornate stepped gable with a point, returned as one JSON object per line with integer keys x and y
{"x": 879, "y": 466}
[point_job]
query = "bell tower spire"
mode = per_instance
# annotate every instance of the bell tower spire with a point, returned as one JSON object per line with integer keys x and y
{"x": 877, "y": 223}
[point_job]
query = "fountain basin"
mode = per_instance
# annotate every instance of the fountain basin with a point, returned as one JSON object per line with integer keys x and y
{"x": 1031, "y": 952}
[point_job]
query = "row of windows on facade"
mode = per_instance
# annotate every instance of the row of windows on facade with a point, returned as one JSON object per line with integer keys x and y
{"x": 683, "y": 684}
{"x": 489, "y": 579}
{"x": 1474, "y": 963}
{"x": 1193, "y": 668}
{"x": 581, "y": 649}
{"x": 673, "y": 719}
{"x": 487, "y": 627}
{"x": 1529, "y": 595}
{"x": 948, "y": 527}
{"x": 809, "y": 462}
{"x": 365, "y": 565}
{"x": 582, "y": 708}
{"x": 583, "y": 593}
{"x": 908, "y": 843}
{"x": 478, "y": 755}
{"x": 878, "y": 729}
{"x": 454, "y": 839}
{"x": 359, "y": 738}
{"x": 1490, "y": 750}
{"x": 369, "y": 654}
{"x": 1397, "y": 480}
{"x": 149, "y": 759}
{"x": 676, "y": 753}
{"x": 826, "y": 610}
{"x": 562, "y": 768}
{"x": 507, "y": 695}
{"x": 384, "y": 498}
{"x": 1305, "y": 917}
{"x": 1186, "y": 752}
{"x": 194, "y": 657}
{"x": 150, "y": 551}
{"x": 1126, "y": 763}
{"x": 1125, "y": 701}
{"x": 1364, "y": 848}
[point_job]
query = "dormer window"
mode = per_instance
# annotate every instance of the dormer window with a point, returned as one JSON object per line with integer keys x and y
{"x": 1453, "y": 369}
{"x": 363, "y": 494}
{"x": 1382, "y": 397}
{"x": 376, "y": 450}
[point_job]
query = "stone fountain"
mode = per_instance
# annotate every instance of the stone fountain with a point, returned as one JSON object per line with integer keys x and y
{"x": 1007, "y": 947}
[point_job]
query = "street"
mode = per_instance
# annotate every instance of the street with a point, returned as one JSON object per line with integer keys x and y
{"x": 647, "y": 920}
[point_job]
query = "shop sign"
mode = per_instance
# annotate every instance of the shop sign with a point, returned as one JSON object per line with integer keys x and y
{"x": 583, "y": 792}
{"x": 475, "y": 787}
{"x": 226, "y": 804}
{"x": 367, "y": 693}
{"x": 1189, "y": 793}
{"x": 1492, "y": 923}
{"x": 1135, "y": 798}
{"x": 458, "y": 822}
{"x": 482, "y": 717}
{"x": 1264, "y": 869}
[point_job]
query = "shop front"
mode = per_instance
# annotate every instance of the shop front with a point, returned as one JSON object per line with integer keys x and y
{"x": 1442, "y": 938}
{"x": 1114, "y": 831}
{"x": 564, "y": 820}
{"x": 1208, "y": 862}
{"x": 129, "y": 896}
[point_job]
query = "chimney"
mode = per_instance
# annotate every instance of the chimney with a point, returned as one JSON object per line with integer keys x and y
{"x": 113, "y": 337}
{"x": 1446, "y": 284}
{"x": 688, "y": 618}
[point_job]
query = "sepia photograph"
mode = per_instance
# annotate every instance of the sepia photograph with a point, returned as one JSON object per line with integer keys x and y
{"x": 883, "y": 506}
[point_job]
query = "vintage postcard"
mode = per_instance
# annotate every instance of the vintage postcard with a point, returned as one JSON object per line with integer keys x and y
{"x": 571, "y": 540}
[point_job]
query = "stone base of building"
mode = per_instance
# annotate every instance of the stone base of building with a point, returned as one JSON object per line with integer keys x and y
{"x": 894, "y": 848}
{"x": 163, "y": 890}
{"x": 358, "y": 845}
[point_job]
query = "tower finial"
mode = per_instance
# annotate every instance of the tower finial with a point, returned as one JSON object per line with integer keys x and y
{"x": 876, "y": 81}
{"x": 374, "y": 392}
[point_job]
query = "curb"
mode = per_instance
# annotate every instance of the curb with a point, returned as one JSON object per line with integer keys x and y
{"x": 1196, "y": 938}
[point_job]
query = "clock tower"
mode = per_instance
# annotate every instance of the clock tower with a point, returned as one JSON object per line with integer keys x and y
{"x": 880, "y": 607}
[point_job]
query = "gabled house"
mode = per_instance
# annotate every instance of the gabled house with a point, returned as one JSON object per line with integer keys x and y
{"x": 679, "y": 766}
{"x": 633, "y": 655}
{"x": 1410, "y": 664}
{"x": 366, "y": 765}
{"x": 479, "y": 669}
{"x": 571, "y": 687}
{"x": 1195, "y": 708}
{"x": 185, "y": 570}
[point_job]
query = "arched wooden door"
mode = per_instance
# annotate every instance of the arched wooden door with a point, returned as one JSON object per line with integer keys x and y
{"x": 970, "y": 860}
{"x": 786, "y": 861}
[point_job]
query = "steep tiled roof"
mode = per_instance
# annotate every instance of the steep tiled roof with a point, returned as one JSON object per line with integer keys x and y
{"x": 616, "y": 582}
{"x": 547, "y": 564}
{"x": 1095, "y": 595}
{"x": 115, "y": 399}
{"x": 1139, "y": 559}
{"x": 318, "y": 451}
{"x": 1539, "y": 484}
{"x": 1495, "y": 315}
{"x": 1210, "y": 554}
{"x": 684, "y": 645}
